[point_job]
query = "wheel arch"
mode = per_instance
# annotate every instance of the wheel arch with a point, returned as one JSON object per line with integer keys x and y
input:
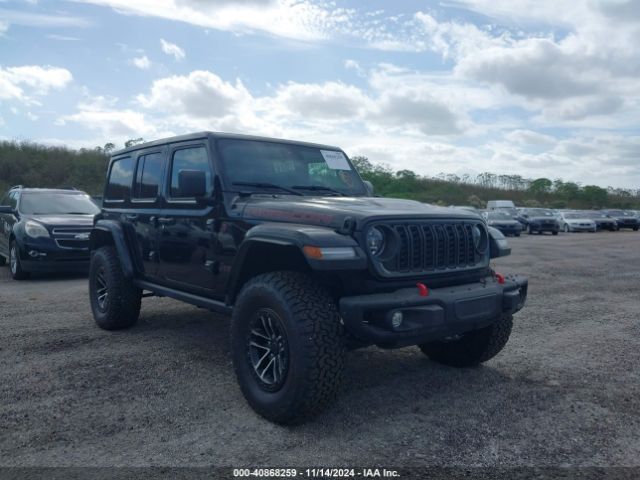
{"x": 274, "y": 255}
{"x": 111, "y": 233}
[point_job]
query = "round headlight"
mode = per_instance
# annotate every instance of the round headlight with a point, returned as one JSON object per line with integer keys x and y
{"x": 375, "y": 241}
{"x": 480, "y": 241}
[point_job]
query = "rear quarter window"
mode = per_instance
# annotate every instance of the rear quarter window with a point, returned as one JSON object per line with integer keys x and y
{"x": 120, "y": 180}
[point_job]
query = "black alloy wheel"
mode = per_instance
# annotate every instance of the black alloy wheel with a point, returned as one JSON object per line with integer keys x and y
{"x": 268, "y": 349}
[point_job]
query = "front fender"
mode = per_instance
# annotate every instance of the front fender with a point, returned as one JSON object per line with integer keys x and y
{"x": 276, "y": 246}
{"x": 110, "y": 232}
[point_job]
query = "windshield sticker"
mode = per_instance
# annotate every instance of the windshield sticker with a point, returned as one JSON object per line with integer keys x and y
{"x": 335, "y": 160}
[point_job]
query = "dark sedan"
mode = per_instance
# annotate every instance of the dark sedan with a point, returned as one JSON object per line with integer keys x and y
{"x": 539, "y": 220}
{"x": 45, "y": 230}
{"x": 624, "y": 219}
{"x": 603, "y": 221}
{"x": 504, "y": 222}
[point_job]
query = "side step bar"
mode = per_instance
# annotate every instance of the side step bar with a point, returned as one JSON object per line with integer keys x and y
{"x": 197, "y": 300}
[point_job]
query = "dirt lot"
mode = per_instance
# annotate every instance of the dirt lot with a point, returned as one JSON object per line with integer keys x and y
{"x": 565, "y": 391}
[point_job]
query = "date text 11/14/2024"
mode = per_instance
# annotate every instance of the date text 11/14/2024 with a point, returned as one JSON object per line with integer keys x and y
{"x": 315, "y": 473}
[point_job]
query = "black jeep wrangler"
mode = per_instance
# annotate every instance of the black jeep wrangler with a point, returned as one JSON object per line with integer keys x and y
{"x": 287, "y": 238}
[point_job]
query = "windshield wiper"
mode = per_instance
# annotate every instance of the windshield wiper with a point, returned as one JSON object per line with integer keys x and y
{"x": 318, "y": 188}
{"x": 266, "y": 185}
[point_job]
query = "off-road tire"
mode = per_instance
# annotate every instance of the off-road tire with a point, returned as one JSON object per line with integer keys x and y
{"x": 316, "y": 345}
{"x": 17, "y": 272}
{"x": 474, "y": 347}
{"x": 122, "y": 306}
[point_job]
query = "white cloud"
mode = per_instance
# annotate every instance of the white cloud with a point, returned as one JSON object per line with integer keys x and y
{"x": 143, "y": 62}
{"x": 200, "y": 94}
{"x": 31, "y": 19}
{"x": 27, "y": 82}
{"x": 172, "y": 49}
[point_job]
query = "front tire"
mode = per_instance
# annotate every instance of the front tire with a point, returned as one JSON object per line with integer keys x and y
{"x": 15, "y": 265}
{"x": 295, "y": 322}
{"x": 115, "y": 300}
{"x": 472, "y": 348}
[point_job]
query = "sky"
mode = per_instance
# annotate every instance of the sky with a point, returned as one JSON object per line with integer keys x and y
{"x": 539, "y": 88}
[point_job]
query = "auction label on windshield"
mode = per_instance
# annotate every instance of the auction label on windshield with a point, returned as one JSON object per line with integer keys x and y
{"x": 335, "y": 160}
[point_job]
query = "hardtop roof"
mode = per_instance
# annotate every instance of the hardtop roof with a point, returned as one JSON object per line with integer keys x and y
{"x": 216, "y": 135}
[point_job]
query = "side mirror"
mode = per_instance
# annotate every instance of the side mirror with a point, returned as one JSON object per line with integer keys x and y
{"x": 6, "y": 209}
{"x": 192, "y": 183}
{"x": 498, "y": 245}
{"x": 370, "y": 189}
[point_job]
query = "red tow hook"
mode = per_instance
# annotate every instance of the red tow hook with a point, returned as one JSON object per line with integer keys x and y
{"x": 500, "y": 278}
{"x": 422, "y": 289}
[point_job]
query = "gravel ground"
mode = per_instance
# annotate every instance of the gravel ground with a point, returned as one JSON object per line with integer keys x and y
{"x": 564, "y": 392}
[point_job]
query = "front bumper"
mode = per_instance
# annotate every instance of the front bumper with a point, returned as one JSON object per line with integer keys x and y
{"x": 544, "y": 227}
{"x": 582, "y": 228}
{"x": 48, "y": 257}
{"x": 444, "y": 312}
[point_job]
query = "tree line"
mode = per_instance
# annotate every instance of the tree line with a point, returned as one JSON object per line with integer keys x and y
{"x": 35, "y": 165}
{"x": 450, "y": 189}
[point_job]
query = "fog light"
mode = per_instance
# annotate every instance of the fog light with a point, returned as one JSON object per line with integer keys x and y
{"x": 396, "y": 319}
{"x": 36, "y": 254}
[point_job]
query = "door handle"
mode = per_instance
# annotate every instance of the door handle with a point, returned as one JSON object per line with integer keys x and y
{"x": 166, "y": 220}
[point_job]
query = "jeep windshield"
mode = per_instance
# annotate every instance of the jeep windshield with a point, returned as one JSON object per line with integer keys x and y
{"x": 57, "y": 204}
{"x": 251, "y": 164}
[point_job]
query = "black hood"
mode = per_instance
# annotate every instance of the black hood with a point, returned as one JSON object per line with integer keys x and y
{"x": 332, "y": 211}
{"x": 63, "y": 220}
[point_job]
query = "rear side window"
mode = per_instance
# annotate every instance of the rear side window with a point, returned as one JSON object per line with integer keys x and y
{"x": 120, "y": 179}
{"x": 189, "y": 159}
{"x": 148, "y": 176}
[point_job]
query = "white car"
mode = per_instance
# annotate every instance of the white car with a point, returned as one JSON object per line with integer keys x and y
{"x": 576, "y": 222}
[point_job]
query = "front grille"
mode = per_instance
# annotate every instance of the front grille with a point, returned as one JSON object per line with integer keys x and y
{"x": 72, "y": 237}
{"x": 433, "y": 246}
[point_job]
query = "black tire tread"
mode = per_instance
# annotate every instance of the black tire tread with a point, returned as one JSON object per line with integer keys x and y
{"x": 124, "y": 297}
{"x": 474, "y": 347}
{"x": 316, "y": 312}
{"x": 20, "y": 274}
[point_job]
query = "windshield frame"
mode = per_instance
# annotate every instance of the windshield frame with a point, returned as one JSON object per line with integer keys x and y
{"x": 228, "y": 182}
{"x": 23, "y": 195}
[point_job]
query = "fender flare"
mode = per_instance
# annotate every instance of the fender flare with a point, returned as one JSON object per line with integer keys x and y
{"x": 104, "y": 229}
{"x": 291, "y": 238}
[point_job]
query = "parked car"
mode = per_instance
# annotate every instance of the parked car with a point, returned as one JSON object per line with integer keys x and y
{"x": 465, "y": 207}
{"x": 504, "y": 222}
{"x": 539, "y": 220}
{"x": 287, "y": 238}
{"x": 45, "y": 230}
{"x": 602, "y": 220}
{"x": 624, "y": 219}
{"x": 500, "y": 204}
{"x": 576, "y": 222}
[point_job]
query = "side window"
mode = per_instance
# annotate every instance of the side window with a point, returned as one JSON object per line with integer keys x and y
{"x": 13, "y": 199}
{"x": 194, "y": 158}
{"x": 148, "y": 175}
{"x": 120, "y": 179}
